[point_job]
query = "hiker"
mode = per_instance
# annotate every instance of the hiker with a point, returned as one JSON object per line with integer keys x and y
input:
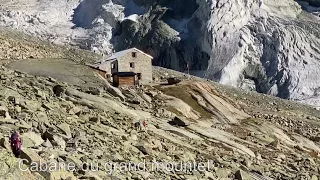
{"x": 15, "y": 142}
{"x": 141, "y": 125}
{"x": 144, "y": 125}
{"x": 137, "y": 126}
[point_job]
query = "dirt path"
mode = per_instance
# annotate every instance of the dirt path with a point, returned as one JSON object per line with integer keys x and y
{"x": 63, "y": 70}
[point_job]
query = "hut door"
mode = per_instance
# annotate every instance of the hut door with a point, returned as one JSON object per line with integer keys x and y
{"x": 139, "y": 76}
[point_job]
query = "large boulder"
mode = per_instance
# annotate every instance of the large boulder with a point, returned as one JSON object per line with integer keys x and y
{"x": 42, "y": 118}
{"x": 242, "y": 175}
{"x": 173, "y": 81}
{"x": 4, "y": 112}
{"x": 65, "y": 128}
{"x": 58, "y": 141}
{"x": 75, "y": 110}
{"x": 31, "y": 139}
{"x": 4, "y": 142}
{"x": 58, "y": 175}
{"x": 74, "y": 159}
{"x": 146, "y": 98}
{"x": 23, "y": 125}
{"x": 180, "y": 121}
{"x": 114, "y": 91}
{"x": 58, "y": 90}
{"x": 29, "y": 156}
{"x": 54, "y": 139}
{"x": 145, "y": 148}
{"x": 11, "y": 168}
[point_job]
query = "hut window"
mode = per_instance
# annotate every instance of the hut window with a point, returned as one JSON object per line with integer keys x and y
{"x": 132, "y": 65}
{"x": 112, "y": 66}
{"x": 134, "y": 54}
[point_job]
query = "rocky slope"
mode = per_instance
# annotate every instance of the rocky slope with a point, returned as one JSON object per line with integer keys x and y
{"x": 240, "y": 134}
{"x": 15, "y": 45}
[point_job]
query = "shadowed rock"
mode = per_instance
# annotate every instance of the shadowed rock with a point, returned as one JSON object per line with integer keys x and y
{"x": 58, "y": 90}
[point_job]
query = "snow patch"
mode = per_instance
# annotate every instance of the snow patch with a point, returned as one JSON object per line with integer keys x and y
{"x": 133, "y": 17}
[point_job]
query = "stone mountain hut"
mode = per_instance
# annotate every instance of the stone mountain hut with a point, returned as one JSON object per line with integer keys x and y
{"x": 126, "y": 68}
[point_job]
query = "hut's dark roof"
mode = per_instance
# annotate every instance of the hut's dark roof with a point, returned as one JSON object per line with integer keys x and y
{"x": 97, "y": 68}
{"x": 124, "y": 74}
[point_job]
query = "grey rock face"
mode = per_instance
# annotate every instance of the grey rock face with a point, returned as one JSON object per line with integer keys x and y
{"x": 249, "y": 44}
{"x": 164, "y": 33}
{"x": 180, "y": 121}
{"x": 313, "y": 2}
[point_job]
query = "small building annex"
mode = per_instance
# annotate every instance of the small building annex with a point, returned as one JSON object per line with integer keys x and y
{"x": 120, "y": 67}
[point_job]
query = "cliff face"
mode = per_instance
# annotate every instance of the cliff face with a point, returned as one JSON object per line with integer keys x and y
{"x": 268, "y": 46}
{"x": 313, "y": 2}
{"x": 277, "y": 53}
{"x": 264, "y": 45}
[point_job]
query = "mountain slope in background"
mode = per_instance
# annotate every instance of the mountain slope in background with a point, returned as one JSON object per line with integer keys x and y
{"x": 264, "y": 45}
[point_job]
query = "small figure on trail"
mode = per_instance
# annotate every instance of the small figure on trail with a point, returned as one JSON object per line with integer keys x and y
{"x": 137, "y": 126}
{"x": 144, "y": 124}
{"x": 15, "y": 142}
{"x": 141, "y": 125}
